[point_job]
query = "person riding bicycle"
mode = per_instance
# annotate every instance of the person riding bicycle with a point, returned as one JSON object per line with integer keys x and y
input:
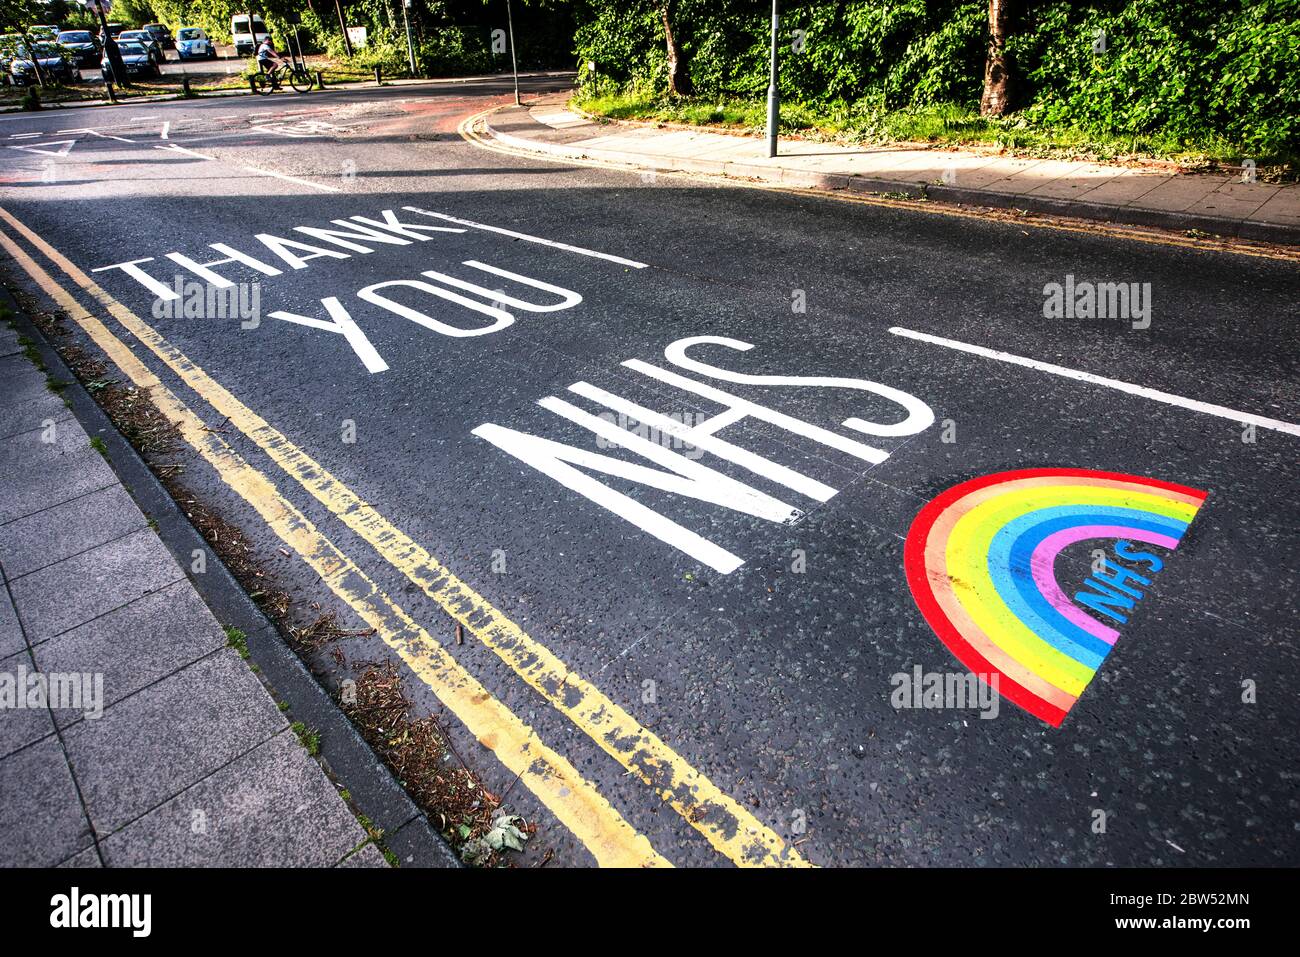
{"x": 267, "y": 57}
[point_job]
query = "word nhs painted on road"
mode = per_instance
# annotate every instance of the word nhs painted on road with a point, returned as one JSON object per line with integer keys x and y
{"x": 684, "y": 475}
{"x": 1113, "y": 589}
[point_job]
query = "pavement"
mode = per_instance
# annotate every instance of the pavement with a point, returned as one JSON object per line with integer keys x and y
{"x": 1223, "y": 204}
{"x": 164, "y": 749}
{"x": 683, "y": 644}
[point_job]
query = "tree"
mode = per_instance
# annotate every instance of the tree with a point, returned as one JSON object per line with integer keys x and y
{"x": 679, "y": 73}
{"x": 996, "y": 99}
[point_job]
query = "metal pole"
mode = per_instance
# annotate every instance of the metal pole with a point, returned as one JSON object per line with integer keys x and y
{"x": 514, "y": 64}
{"x": 773, "y": 93}
{"x": 347, "y": 42}
{"x": 410, "y": 48}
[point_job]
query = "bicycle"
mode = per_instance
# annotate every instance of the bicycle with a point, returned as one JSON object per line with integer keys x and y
{"x": 297, "y": 75}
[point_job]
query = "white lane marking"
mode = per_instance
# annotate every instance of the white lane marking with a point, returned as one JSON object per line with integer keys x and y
{"x": 254, "y": 169}
{"x": 1194, "y": 405}
{"x": 294, "y": 179}
{"x": 167, "y": 125}
{"x": 23, "y": 136}
{"x": 64, "y": 147}
{"x": 180, "y": 149}
{"x": 532, "y": 239}
{"x": 109, "y": 136}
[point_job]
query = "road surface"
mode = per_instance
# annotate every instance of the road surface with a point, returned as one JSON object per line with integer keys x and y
{"x": 677, "y": 455}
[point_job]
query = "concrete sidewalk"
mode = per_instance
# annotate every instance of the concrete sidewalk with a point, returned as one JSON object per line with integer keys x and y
{"x": 166, "y": 749}
{"x": 1220, "y": 204}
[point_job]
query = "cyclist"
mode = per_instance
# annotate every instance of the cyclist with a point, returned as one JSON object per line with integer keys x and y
{"x": 268, "y": 60}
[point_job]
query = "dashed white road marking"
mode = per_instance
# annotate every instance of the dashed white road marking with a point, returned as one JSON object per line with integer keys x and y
{"x": 180, "y": 149}
{"x": 1155, "y": 395}
{"x": 532, "y": 239}
{"x": 293, "y": 179}
{"x": 166, "y": 127}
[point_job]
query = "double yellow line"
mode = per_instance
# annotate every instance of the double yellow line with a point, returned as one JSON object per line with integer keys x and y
{"x": 575, "y": 802}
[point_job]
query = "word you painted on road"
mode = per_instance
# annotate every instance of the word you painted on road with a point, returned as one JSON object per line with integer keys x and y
{"x": 684, "y": 475}
{"x": 981, "y": 564}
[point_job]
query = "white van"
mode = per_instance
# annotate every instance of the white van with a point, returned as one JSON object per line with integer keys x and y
{"x": 245, "y": 34}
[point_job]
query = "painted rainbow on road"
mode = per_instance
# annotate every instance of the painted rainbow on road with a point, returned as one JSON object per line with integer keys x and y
{"x": 980, "y": 561}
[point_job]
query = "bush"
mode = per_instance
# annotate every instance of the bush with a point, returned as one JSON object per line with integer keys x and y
{"x": 1198, "y": 71}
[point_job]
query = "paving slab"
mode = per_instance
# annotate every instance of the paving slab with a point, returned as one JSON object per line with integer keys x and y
{"x": 272, "y": 807}
{"x": 30, "y": 402}
{"x": 19, "y": 727}
{"x": 9, "y": 341}
{"x": 11, "y": 635}
{"x": 41, "y": 820}
{"x": 368, "y": 856}
{"x": 35, "y": 474}
{"x": 1085, "y": 177}
{"x": 85, "y": 586}
{"x": 53, "y": 534}
{"x": 1282, "y": 209}
{"x": 87, "y": 858}
{"x": 1236, "y": 199}
{"x": 135, "y": 645}
{"x": 1179, "y": 193}
{"x": 148, "y": 748}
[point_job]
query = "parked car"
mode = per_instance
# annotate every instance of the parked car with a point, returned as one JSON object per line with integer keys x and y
{"x": 247, "y": 33}
{"x": 193, "y": 44}
{"x": 161, "y": 34}
{"x": 56, "y": 65}
{"x": 145, "y": 39}
{"x": 136, "y": 58}
{"x": 82, "y": 45}
{"x": 115, "y": 28}
{"x": 9, "y": 47}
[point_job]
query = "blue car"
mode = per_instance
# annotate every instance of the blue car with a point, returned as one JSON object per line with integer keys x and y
{"x": 193, "y": 44}
{"x": 138, "y": 61}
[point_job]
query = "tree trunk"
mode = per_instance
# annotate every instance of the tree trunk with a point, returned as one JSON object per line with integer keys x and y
{"x": 997, "y": 66}
{"x": 679, "y": 74}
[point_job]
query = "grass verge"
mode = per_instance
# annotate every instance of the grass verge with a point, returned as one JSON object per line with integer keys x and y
{"x": 944, "y": 125}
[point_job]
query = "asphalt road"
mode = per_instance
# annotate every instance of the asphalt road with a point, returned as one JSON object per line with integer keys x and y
{"x": 753, "y": 619}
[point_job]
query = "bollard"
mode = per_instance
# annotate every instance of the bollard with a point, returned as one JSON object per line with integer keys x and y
{"x": 112, "y": 97}
{"x": 185, "y": 87}
{"x": 320, "y": 79}
{"x": 379, "y": 80}
{"x": 251, "y": 87}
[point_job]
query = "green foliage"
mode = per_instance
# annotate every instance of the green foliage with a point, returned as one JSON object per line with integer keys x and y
{"x": 1222, "y": 72}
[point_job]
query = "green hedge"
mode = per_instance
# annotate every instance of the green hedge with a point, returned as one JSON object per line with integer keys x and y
{"x": 1226, "y": 71}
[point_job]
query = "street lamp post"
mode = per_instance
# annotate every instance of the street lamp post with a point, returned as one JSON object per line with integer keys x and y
{"x": 773, "y": 92}
{"x": 410, "y": 47}
{"x": 116, "y": 68}
{"x": 514, "y": 63}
